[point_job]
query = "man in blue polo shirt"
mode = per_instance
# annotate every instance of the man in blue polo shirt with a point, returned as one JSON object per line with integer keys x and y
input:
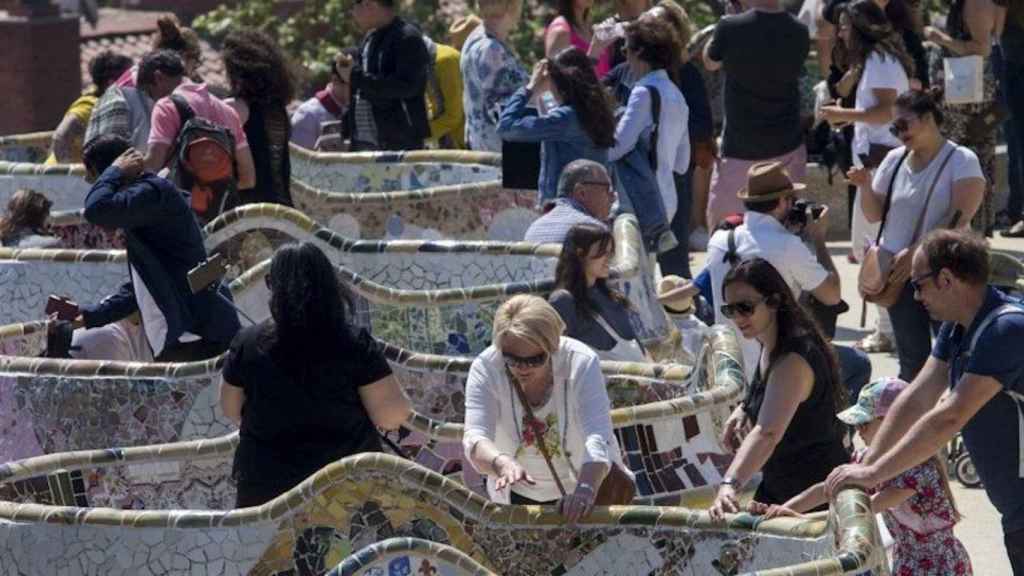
{"x": 977, "y": 358}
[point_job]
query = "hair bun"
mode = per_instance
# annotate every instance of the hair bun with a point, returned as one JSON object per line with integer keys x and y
{"x": 169, "y": 27}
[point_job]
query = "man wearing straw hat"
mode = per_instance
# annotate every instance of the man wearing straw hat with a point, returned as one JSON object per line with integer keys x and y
{"x": 769, "y": 197}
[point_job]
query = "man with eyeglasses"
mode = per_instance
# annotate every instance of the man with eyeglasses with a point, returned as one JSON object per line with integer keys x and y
{"x": 972, "y": 383}
{"x": 585, "y": 196}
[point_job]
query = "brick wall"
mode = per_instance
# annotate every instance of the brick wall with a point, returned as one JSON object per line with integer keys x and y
{"x": 39, "y": 72}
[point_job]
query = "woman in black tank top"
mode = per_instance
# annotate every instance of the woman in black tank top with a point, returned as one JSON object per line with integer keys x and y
{"x": 794, "y": 437}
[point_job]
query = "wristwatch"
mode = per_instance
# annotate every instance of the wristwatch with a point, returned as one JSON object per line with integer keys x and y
{"x": 729, "y": 481}
{"x": 585, "y": 485}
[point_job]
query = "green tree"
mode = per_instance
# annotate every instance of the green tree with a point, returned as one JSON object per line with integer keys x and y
{"x": 322, "y": 28}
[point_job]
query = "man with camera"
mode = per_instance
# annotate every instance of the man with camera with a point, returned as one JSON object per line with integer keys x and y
{"x": 163, "y": 242}
{"x": 775, "y": 228}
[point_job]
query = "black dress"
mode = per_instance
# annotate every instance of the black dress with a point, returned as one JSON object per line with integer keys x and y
{"x": 293, "y": 427}
{"x": 813, "y": 443}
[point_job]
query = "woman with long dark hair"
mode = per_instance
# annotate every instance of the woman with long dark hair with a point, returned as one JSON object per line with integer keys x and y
{"x": 574, "y": 27}
{"x": 793, "y": 438}
{"x": 580, "y": 125}
{"x": 594, "y": 313}
{"x": 262, "y": 87}
{"x": 23, "y": 225}
{"x": 306, "y": 386}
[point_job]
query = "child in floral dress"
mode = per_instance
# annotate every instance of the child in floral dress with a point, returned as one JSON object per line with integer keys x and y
{"x": 917, "y": 505}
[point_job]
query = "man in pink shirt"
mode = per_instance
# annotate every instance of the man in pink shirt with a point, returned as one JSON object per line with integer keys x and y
{"x": 165, "y": 124}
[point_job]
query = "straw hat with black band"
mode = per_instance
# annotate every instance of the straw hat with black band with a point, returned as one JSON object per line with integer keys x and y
{"x": 674, "y": 294}
{"x": 768, "y": 181}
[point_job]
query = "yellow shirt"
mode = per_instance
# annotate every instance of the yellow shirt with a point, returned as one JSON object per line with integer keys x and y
{"x": 452, "y": 121}
{"x": 81, "y": 109}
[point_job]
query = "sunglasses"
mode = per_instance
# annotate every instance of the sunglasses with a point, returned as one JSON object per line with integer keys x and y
{"x": 899, "y": 126}
{"x": 535, "y": 361}
{"x": 915, "y": 283}
{"x": 741, "y": 308}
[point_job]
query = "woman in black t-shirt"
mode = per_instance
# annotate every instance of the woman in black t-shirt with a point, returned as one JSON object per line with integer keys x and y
{"x": 307, "y": 387}
{"x": 794, "y": 437}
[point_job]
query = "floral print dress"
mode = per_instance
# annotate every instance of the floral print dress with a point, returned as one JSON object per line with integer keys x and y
{"x": 923, "y": 527}
{"x": 490, "y": 74}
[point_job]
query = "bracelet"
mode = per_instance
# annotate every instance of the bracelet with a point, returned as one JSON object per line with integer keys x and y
{"x": 585, "y": 486}
{"x": 729, "y": 481}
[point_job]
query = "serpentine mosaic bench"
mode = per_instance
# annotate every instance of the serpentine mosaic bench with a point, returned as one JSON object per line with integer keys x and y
{"x": 349, "y": 506}
{"x": 425, "y": 195}
{"x": 668, "y": 417}
{"x": 457, "y": 285}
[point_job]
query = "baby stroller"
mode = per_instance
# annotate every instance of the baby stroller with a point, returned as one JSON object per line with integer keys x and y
{"x": 960, "y": 464}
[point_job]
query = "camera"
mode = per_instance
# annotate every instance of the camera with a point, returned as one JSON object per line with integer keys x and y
{"x": 797, "y": 216}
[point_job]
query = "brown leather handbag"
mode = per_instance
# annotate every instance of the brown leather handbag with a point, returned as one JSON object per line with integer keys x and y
{"x": 883, "y": 275}
{"x": 617, "y": 489}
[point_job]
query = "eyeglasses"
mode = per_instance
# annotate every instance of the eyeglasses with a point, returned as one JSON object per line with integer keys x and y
{"x": 743, "y": 308}
{"x": 535, "y": 361}
{"x": 899, "y": 126}
{"x": 915, "y": 283}
{"x": 606, "y": 187}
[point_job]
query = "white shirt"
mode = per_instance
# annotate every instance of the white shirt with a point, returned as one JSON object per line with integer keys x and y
{"x": 763, "y": 236}
{"x": 880, "y": 72}
{"x": 306, "y": 123}
{"x": 493, "y": 412}
{"x": 911, "y": 188}
{"x": 154, "y": 323}
{"x": 673, "y": 132}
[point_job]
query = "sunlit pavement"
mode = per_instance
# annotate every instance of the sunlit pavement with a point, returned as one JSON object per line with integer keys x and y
{"x": 979, "y": 530}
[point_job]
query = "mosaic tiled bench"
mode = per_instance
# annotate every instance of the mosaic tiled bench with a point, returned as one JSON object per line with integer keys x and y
{"x": 409, "y": 556}
{"x": 362, "y": 500}
{"x": 669, "y": 417}
{"x": 467, "y": 279}
{"x": 424, "y": 195}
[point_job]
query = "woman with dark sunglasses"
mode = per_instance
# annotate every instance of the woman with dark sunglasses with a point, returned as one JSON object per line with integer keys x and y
{"x": 786, "y": 425}
{"x": 930, "y": 179}
{"x": 533, "y": 392}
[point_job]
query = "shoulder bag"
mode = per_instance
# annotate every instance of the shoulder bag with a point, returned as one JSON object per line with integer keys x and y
{"x": 883, "y": 274}
{"x": 617, "y": 489}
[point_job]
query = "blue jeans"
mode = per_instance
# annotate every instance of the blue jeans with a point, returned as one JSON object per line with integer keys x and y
{"x": 677, "y": 260}
{"x": 912, "y": 330}
{"x": 854, "y": 369}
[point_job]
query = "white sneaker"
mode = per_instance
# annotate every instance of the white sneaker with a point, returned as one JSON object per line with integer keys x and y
{"x": 699, "y": 240}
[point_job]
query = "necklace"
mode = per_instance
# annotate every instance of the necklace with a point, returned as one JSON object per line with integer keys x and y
{"x": 545, "y": 393}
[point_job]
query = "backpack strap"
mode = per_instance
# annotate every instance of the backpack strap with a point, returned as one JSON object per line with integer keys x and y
{"x": 181, "y": 105}
{"x": 888, "y": 196}
{"x": 1017, "y": 397}
{"x": 731, "y": 256}
{"x": 652, "y": 150}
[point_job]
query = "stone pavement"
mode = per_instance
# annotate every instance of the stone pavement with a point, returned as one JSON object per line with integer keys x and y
{"x": 980, "y": 530}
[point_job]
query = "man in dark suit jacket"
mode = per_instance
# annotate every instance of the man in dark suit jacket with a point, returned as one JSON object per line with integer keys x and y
{"x": 164, "y": 242}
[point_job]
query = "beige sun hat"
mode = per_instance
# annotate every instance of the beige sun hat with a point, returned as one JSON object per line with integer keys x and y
{"x": 461, "y": 29}
{"x": 671, "y": 295}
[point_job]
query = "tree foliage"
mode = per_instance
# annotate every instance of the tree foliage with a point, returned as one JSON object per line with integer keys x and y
{"x": 322, "y": 28}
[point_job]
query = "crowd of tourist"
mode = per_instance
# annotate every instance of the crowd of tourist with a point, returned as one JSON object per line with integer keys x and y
{"x": 623, "y": 123}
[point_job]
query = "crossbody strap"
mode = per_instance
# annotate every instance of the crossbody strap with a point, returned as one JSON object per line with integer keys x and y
{"x": 928, "y": 198}
{"x": 1017, "y": 397}
{"x": 533, "y": 419}
{"x": 652, "y": 152}
{"x": 731, "y": 256}
{"x": 888, "y": 196}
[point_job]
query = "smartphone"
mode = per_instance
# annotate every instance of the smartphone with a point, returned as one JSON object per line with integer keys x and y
{"x": 207, "y": 273}
{"x": 65, "y": 308}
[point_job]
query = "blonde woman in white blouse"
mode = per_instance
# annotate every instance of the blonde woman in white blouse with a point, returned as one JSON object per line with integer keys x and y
{"x": 562, "y": 381}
